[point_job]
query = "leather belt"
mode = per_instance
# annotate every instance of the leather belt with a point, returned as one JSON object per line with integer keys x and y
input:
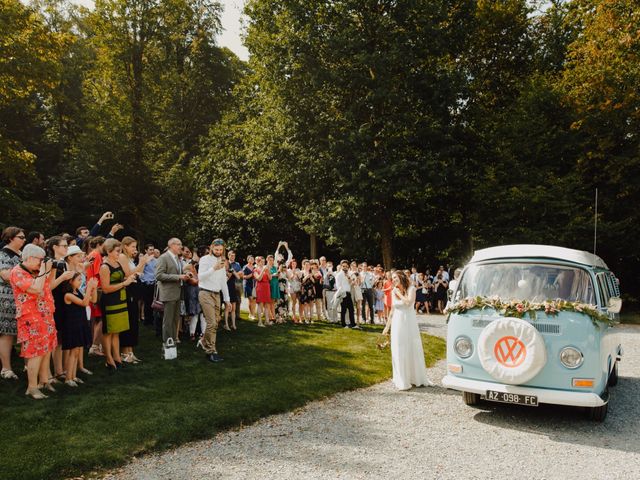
{"x": 207, "y": 290}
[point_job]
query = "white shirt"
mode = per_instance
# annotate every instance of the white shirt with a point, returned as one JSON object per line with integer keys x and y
{"x": 367, "y": 280}
{"x": 211, "y": 279}
{"x": 342, "y": 282}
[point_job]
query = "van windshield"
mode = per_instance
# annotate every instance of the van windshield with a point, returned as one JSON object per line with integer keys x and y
{"x": 527, "y": 281}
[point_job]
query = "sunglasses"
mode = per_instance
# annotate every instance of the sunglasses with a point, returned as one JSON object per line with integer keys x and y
{"x": 218, "y": 242}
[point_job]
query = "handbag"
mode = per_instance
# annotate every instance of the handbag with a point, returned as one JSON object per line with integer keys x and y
{"x": 169, "y": 350}
{"x": 157, "y": 305}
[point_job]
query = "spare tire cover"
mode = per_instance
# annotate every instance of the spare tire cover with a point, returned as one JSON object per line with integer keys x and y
{"x": 511, "y": 350}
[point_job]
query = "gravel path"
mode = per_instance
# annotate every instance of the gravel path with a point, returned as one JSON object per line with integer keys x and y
{"x": 424, "y": 433}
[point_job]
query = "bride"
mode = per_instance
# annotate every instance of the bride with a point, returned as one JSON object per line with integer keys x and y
{"x": 407, "y": 355}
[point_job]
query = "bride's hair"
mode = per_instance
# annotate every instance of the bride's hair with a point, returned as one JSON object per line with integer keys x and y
{"x": 404, "y": 280}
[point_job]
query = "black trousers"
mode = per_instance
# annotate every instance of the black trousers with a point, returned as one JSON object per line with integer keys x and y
{"x": 347, "y": 305}
{"x": 147, "y": 298}
{"x": 368, "y": 298}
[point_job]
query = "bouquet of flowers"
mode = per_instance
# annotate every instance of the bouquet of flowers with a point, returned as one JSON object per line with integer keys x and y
{"x": 383, "y": 341}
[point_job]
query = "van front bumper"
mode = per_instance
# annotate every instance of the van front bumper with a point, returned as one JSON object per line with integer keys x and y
{"x": 554, "y": 397}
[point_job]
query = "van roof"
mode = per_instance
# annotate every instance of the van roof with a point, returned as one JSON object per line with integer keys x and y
{"x": 539, "y": 251}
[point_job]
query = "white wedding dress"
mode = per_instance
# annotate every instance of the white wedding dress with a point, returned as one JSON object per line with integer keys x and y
{"x": 407, "y": 355}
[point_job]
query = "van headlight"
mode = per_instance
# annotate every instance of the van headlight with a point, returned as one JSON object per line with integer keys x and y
{"x": 463, "y": 347}
{"x": 571, "y": 357}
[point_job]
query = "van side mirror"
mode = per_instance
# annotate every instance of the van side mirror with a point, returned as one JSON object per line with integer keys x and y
{"x": 614, "y": 305}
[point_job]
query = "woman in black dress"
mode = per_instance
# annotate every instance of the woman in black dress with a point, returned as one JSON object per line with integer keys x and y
{"x": 441, "y": 286}
{"x": 307, "y": 291}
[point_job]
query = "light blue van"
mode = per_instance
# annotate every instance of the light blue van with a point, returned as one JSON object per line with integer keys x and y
{"x": 532, "y": 324}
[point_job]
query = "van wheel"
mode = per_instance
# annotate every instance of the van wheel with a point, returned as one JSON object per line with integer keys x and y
{"x": 598, "y": 414}
{"x": 470, "y": 398}
{"x": 613, "y": 376}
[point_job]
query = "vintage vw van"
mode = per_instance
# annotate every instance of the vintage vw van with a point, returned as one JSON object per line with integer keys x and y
{"x": 531, "y": 324}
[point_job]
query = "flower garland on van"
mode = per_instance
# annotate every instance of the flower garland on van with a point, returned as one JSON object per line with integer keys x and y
{"x": 520, "y": 308}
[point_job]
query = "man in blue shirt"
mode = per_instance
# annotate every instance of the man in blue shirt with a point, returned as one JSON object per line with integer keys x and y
{"x": 148, "y": 283}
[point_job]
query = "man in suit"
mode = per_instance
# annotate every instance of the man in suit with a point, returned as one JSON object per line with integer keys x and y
{"x": 169, "y": 277}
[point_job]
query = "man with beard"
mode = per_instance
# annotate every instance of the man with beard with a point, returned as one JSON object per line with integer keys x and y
{"x": 212, "y": 281}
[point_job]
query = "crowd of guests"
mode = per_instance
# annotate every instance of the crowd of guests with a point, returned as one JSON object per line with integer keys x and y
{"x": 69, "y": 294}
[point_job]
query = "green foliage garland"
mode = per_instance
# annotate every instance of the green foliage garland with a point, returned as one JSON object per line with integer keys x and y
{"x": 520, "y": 308}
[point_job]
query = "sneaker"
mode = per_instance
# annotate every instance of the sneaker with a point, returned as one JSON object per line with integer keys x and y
{"x": 215, "y": 358}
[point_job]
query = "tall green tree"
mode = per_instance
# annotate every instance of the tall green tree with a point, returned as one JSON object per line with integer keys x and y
{"x": 29, "y": 72}
{"x": 360, "y": 94}
{"x": 602, "y": 85}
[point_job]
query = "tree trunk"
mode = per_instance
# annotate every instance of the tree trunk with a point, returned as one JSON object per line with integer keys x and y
{"x": 386, "y": 240}
{"x": 313, "y": 245}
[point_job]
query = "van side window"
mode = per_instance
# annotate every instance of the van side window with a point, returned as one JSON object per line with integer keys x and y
{"x": 615, "y": 288}
{"x": 603, "y": 287}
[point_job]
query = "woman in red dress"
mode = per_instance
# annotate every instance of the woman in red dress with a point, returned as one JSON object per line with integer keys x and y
{"x": 34, "y": 314}
{"x": 388, "y": 287}
{"x": 263, "y": 290}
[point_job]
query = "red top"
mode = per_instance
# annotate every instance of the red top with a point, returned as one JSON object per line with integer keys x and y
{"x": 93, "y": 271}
{"x": 388, "y": 287}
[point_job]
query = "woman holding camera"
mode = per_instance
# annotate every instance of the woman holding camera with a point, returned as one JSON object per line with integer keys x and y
{"x": 114, "y": 301}
{"x": 31, "y": 284}
{"x": 57, "y": 248}
{"x": 13, "y": 238}
{"x": 440, "y": 287}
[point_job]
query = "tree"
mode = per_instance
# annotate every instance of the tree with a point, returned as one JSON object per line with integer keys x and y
{"x": 28, "y": 75}
{"x": 602, "y": 84}
{"x": 361, "y": 94}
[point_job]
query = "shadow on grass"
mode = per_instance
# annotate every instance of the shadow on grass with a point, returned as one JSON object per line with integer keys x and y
{"x": 159, "y": 404}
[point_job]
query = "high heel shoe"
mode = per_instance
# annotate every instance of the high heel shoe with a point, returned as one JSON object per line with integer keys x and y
{"x": 70, "y": 383}
{"x": 35, "y": 393}
{"x": 47, "y": 386}
{"x": 199, "y": 344}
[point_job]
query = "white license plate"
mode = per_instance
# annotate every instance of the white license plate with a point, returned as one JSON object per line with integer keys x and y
{"x": 516, "y": 398}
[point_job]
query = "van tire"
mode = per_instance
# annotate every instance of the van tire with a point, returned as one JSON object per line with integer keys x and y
{"x": 598, "y": 414}
{"x": 613, "y": 376}
{"x": 470, "y": 398}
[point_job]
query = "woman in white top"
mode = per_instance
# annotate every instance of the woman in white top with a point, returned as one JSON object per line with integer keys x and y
{"x": 294, "y": 284}
{"x": 407, "y": 354}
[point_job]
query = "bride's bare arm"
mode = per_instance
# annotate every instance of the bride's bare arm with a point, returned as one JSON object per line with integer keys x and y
{"x": 410, "y": 297}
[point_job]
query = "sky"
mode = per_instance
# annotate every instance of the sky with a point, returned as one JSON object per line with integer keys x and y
{"x": 231, "y": 24}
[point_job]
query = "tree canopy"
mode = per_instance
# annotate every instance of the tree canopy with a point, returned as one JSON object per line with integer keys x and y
{"x": 401, "y": 132}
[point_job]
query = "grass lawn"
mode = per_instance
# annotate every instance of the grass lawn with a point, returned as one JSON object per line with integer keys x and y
{"x": 159, "y": 404}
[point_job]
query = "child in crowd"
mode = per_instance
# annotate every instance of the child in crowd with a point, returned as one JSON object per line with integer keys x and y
{"x": 380, "y": 302}
{"x": 74, "y": 332}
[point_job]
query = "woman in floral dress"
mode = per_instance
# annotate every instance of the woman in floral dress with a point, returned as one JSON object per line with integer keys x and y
{"x": 14, "y": 239}
{"x": 34, "y": 312}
